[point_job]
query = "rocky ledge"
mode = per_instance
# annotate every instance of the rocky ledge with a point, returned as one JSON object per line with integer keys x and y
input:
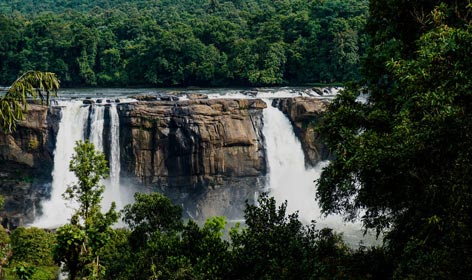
{"x": 207, "y": 155}
{"x": 304, "y": 114}
{"x": 26, "y": 165}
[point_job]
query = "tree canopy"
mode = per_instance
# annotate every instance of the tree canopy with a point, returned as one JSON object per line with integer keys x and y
{"x": 181, "y": 43}
{"x": 403, "y": 156}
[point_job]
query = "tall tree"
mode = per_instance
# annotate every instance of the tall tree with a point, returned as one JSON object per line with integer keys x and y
{"x": 79, "y": 243}
{"x": 403, "y": 156}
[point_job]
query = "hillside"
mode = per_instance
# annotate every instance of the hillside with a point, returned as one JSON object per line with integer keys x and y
{"x": 179, "y": 43}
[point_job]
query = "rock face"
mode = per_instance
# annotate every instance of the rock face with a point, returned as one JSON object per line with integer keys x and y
{"x": 26, "y": 164}
{"x": 207, "y": 155}
{"x": 304, "y": 113}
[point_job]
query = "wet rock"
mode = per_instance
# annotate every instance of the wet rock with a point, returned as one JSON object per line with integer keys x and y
{"x": 146, "y": 97}
{"x": 195, "y": 96}
{"x": 26, "y": 164}
{"x": 304, "y": 113}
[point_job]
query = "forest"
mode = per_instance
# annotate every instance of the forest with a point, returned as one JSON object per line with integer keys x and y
{"x": 183, "y": 43}
{"x": 402, "y": 165}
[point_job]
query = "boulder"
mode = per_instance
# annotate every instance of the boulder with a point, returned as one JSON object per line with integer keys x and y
{"x": 195, "y": 96}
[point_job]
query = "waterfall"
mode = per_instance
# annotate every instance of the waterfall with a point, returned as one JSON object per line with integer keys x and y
{"x": 97, "y": 121}
{"x": 115, "y": 147}
{"x": 289, "y": 179}
{"x": 56, "y": 211}
{"x": 112, "y": 185}
{"x": 72, "y": 127}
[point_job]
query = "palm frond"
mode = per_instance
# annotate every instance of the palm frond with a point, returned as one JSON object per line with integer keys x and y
{"x": 37, "y": 85}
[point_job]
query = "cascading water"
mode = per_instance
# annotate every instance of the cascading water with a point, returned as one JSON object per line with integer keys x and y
{"x": 72, "y": 127}
{"x": 97, "y": 122}
{"x": 289, "y": 179}
{"x": 115, "y": 147}
{"x": 56, "y": 210}
{"x": 112, "y": 185}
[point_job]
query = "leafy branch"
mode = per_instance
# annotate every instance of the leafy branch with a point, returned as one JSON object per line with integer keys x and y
{"x": 33, "y": 84}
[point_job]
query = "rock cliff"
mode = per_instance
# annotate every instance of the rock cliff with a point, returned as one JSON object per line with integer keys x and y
{"x": 207, "y": 155}
{"x": 305, "y": 113}
{"x": 26, "y": 164}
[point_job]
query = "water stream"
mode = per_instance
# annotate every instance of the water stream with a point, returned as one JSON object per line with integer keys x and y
{"x": 289, "y": 180}
{"x": 56, "y": 210}
{"x": 75, "y": 119}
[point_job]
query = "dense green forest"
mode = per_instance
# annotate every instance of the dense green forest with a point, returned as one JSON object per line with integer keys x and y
{"x": 181, "y": 43}
{"x": 403, "y": 157}
{"x": 402, "y": 165}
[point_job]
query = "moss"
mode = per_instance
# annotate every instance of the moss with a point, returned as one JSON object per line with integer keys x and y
{"x": 33, "y": 144}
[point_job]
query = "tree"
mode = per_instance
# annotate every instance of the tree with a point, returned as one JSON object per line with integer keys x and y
{"x": 276, "y": 245}
{"x": 35, "y": 84}
{"x": 5, "y": 250}
{"x": 206, "y": 250}
{"x": 175, "y": 43}
{"x": 150, "y": 213}
{"x": 79, "y": 243}
{"x": 403, "y": 157}
{"x": 155, "y": 240}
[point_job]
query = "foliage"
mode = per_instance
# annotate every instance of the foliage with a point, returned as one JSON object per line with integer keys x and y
{"x": 272, "y": 246}
{"x": 69, "y": 249}
{"x": 32, "y": 84}
{"x": 5, "y": 250}
{"x": 155, "y": 222}
{"x": 278, "y": 246}
{"x": 117, "y": 255}
{"x": 80, "y": 242}
{"x": 31, "y": 255}
{"x": 206, "y": 250}
{"x": 175, "y": 43}
{"x": 403, "y": 157}
{"x": 150, "y": 213}
{"x": 90, "y": 167}
{"x": 24, "y": 271}
{"x": 32, "y": 246}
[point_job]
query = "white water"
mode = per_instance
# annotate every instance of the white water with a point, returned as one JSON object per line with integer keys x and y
{"x": 113, "y": 188}
{"x": 290, "y": 180}
{"x": 96, "y": 126}
{"x": 288, "y": 177}
{"x": 58, "y": 211}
